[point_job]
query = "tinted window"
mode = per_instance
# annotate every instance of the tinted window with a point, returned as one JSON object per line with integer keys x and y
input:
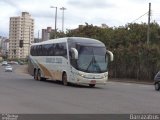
{"x": 58, "y": 49}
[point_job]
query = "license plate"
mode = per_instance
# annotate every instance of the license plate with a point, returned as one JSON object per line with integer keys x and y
{"x": 93, "y": 82}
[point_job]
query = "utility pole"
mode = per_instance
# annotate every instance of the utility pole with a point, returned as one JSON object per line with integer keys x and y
{"x": 29, "y": 40}
{"x": 63, "y": 8}
{"x": 38, "y": 36}
{"x": 56, "y": 22}
{"x": 148, "y": 29}
{"x": 55, "y": 31}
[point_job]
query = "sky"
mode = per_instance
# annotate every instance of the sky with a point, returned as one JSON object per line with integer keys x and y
{"x": 113, "y": 13}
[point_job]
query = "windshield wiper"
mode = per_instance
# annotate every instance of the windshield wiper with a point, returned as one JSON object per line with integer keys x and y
{"x": 90, "y": 63}
{"x": 96, "y": 66}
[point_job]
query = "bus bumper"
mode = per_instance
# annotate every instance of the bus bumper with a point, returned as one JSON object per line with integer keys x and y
{"x": 87, "y": 81}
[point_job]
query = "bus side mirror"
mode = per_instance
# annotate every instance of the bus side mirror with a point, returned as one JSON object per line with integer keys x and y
{"x": 74, "y": 53}
{"x": 110, "y": 55}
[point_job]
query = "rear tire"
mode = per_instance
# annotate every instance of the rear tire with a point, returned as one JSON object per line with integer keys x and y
{"x": 39, "y": 75}
{"x": 157, "y": 86}
{"x": 35, "y": 75}
{"x": 43, "y": 79}
{"x": 64, "y": 79}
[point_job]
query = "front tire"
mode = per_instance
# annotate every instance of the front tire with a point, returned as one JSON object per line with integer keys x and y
{"x": 64, "y": 79}
{"x": 91, "y": 85}
{"x": 157, "y": 86}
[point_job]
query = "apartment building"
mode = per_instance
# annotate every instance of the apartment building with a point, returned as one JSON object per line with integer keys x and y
{"x": 46, "y": 33}
{"x": 4, "y": 46}
{"x": 21, "y": 28}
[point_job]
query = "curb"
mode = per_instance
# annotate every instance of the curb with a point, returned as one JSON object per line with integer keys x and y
{"x": 131, "y": 81}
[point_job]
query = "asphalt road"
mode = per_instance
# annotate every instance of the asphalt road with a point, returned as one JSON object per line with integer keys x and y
{"x": 19, "y": 93}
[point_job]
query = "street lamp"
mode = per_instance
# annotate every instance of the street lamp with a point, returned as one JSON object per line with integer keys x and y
{"x": 63, "y": 8}
{"x": 55, "y": 31}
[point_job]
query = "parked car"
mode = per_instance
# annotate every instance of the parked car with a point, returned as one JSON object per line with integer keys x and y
{"x": 13, "y": 63}
{"x": 8, "y": 68}
{"x": 4, "y": 63}
{"x": 157, "y": 81}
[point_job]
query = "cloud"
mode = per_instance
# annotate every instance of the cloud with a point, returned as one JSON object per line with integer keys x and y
{"x": 96, "y": 12}
{"x": 140, "y": 1}
{"x": 87, "y": 4}
{"x": 41, "y": 14}
{"x": 12, "y": 3}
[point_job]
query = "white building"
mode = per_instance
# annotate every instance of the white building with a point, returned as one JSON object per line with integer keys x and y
{"x": 21, "y": 28}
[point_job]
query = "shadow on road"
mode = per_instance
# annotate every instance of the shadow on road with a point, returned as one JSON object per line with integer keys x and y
{"x": 71, "y": 84}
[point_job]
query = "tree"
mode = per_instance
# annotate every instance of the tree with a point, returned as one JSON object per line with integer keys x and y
{"x": 133, "y": 57}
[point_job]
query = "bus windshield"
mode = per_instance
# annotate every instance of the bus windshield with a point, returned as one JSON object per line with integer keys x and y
{"x": 92, "y": 59}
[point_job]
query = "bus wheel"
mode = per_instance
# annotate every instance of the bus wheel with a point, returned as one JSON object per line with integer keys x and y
{"x": 64, "y": 79}
{"x": 44, "y": 79}
{"x": 35, "y": 75}
{"x": 92, "y": 85}
{"x": 157, "y": 86}
{"x": 39, "y": 75}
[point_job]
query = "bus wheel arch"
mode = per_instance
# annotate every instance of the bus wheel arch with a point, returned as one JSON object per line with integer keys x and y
{"x": 64, "y": 79}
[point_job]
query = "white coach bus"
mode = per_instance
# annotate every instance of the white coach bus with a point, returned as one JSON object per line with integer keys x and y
{"x": 75, "y": 60}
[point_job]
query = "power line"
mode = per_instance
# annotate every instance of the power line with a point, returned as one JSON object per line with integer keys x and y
{"x": 155, "y": 16}
{"x": 139, "y": 17}
{"x": 156, "y": 12}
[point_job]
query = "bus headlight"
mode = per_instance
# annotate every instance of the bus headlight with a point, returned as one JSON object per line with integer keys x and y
{"x": 106, "y": 74}
{"x": 80, "y": 74}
